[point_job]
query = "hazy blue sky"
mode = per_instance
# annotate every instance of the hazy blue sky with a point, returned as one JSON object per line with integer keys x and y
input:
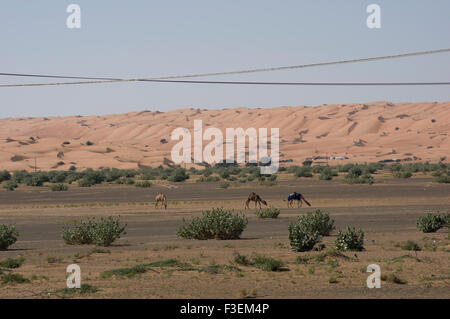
{"x": 155, "y": 38}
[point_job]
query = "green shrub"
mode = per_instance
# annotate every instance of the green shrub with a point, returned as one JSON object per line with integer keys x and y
{"x": 326, "y": 174}
{"x": 261, "y": 262}
{"x": 301, "y": 237}
{"x": 208, "y": 179}
{"x": 143, "y": 184}
{"x": 430, "y": 223}
{"x": 14, "y": 279}
{"x": 410, "y": 245}
{"x": 86, "y": 182}
{"x": 270, "y": 212}
{"x": 36, "y": 179}
{"x": 125, "y": 181}
{"x": 10, "y": 186}
{"x": 441, "y": 177}
{"x": 179, "y": 175}
{"x": 12, "y": 262}
{"x": 446, "y": 220}
{"x": 241, "y": 259}
{"x": 59, "y": 188}
{"x": 318, "y": 221}
{"x": 83, "y": 290}
{"x": 361, "y": 179}
{"x": 4, "y": 176}
{"x": 351, "y": 239}
{"x": 402, "y": 174}
{"x": 216, "y": 223}
{"x": 224, "y": 185}
{"x": 8, "y": 236}
{"x": 107, "y": 230}
{"x": 224, "y": 174}
{"x": 267, "y": 263}
{"x": 304, "y": 171}
{"x": 103, "y": 232}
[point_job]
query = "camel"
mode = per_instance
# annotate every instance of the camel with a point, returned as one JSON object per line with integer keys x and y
{"x": 299, "y": 198}
{"x": 161, "y": 198}
{"x": 253, "y": 197}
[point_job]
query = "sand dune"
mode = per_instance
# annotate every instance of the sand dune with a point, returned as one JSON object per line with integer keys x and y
{"x": 362, "y": 132}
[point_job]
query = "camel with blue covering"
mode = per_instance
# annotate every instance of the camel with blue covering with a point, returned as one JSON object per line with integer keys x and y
{"x": 297, "y": 197}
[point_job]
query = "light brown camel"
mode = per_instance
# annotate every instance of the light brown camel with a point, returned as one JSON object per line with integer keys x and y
{"x": 161, "y": 198}
{"x": 253, "y": 197}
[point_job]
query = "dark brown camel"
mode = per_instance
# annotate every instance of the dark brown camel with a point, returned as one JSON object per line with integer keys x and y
{"x": 253, "y": 197}
{"x": 297, "y": 197}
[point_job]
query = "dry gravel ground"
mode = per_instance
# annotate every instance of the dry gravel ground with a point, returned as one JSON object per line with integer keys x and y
{"x": 386, "y": 211}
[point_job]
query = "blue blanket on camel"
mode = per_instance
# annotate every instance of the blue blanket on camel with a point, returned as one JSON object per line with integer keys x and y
{"x": 296, "y": 196}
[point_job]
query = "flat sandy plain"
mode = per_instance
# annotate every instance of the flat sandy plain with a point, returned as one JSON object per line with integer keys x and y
{"x": 387, "y": 211}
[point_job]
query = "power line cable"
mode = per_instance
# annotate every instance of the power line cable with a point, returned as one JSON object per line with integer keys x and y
{"x": 245, "y": 83}
{"x": 98, "y": 80}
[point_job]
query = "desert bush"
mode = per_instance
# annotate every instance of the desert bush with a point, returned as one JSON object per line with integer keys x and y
{"x": 446, "y": 220}
{"x": 410, "y": 245}
{"x": 12, "y": 262}
{"x": 208, "y": 179}
{"x": 179, "y": 175}
{"x": 224, "y": 174}
{"x": 36, "y": 179}
{"x": 59, "y": 188}
{"x": 430, "y": 223}
{"x": 301, "y": 237}
{"x": 304, "y": 171}
{"x": 267, "y": 263}
{"x": 85, "y": 182}
{"x": 8, "y": 236}
{"x": 103, "y": 232}
{"x": 4, "y": 176}
{"x": 326, "y": 174}
{"x": 318, "y": 221}
{"x": 216, "y": 223}
{"x": 14, "y": 279}
{"x": 224, "y": 185}
{"x": 241, "y": 259}
{"x": 352, "y": 239}
{"x": 262, "y": 262}
{"x": 57, "y": 176}
{"x": 145, "y": 184}
{"x": 10, "y": 186}
{"x": 112, "y": 175}
{"x": 441, "y": 176}
{"x": 270, "y": 212}
{"x": 402, "y": 174}
{"x": 19, "y": 176}
{"x": 107, "y": 230}
{"x": 358, "y": 175}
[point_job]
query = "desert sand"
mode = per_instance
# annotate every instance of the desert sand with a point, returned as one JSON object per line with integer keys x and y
{"x": 362, "y": 132}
